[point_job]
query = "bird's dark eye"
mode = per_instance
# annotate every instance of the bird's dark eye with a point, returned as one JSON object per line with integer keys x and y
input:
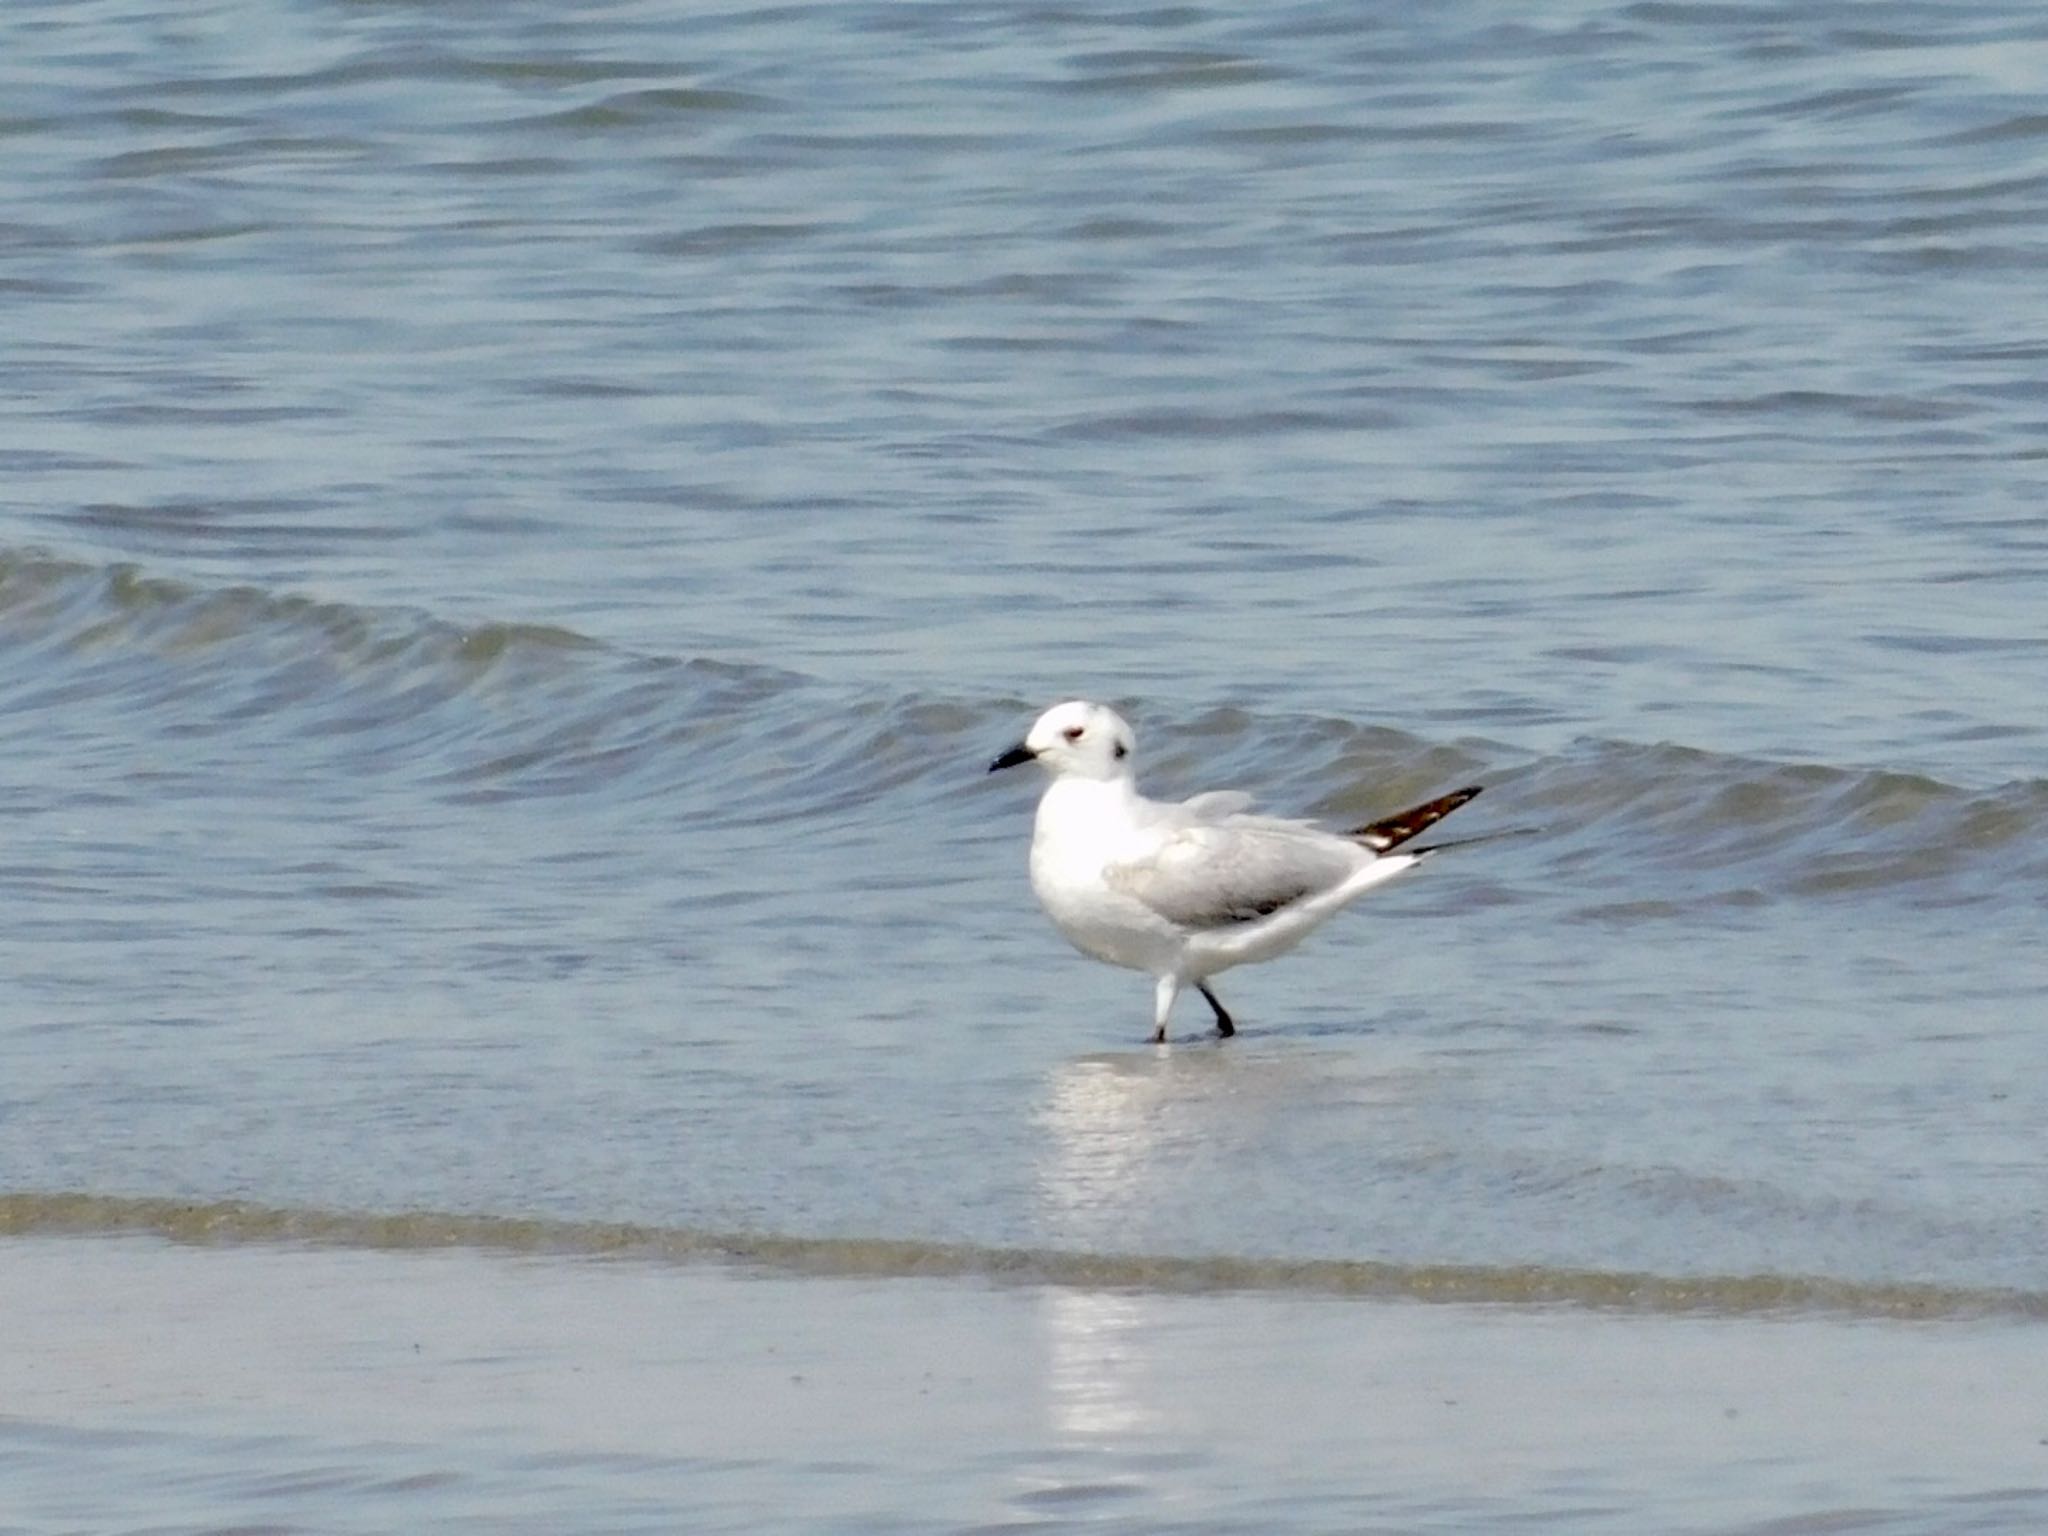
{"x": 1073, "y": 732}
{"x": 1122, "y": 751}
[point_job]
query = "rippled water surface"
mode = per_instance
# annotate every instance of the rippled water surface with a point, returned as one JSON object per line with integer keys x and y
{"x": 521, "y": 527}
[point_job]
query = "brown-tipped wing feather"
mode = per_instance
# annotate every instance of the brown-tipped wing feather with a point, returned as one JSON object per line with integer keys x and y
{"x": 1393, "y": 831}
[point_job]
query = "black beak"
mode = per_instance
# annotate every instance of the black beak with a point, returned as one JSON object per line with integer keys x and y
{"x": 1010, "y": 759}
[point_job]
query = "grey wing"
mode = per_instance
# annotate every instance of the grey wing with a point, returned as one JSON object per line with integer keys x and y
{"x": 1218, "y": 874}
{"x": 1215, "y": 805}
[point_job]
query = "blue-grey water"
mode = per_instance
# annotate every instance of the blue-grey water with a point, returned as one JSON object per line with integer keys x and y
{"x": 521, "y": 527}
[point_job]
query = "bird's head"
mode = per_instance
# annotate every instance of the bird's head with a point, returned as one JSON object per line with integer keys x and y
{"x": 1077, "y": 739}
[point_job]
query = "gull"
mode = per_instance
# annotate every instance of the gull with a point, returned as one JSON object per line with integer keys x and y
{"x": 1185, "y": 890}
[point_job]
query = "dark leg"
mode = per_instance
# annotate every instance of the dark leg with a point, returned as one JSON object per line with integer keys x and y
{"x": 1159, "y": 1035}
{"x": 1225, "y": 1026}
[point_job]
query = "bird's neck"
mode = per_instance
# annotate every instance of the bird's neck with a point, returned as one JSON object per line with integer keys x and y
{"x": 1086, "y": 808}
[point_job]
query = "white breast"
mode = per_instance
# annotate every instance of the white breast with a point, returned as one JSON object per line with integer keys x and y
{"x": 1083, "y": 826}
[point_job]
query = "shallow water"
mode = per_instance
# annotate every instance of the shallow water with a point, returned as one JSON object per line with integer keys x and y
{"x": 520, "y": 533}
{"x": 371, "y": 1391}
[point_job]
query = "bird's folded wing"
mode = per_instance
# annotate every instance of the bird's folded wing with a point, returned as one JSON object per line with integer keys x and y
{"x": 1215, "y": 805}
{"x": 1219, "y": 874}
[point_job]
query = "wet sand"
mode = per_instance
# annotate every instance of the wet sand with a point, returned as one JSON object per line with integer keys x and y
{"x": 177, "y": 1387}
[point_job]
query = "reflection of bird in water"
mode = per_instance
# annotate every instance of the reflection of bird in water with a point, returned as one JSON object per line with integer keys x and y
{"x": 1136, "y": 1141}
{"x": 1096, "y": 1366}
{"x": 1185, "y": 890}
{"x": 1110, "y": 1121}
{"x": 1136, "y": 1147}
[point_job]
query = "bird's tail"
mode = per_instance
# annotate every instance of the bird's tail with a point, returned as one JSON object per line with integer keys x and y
{"x": 1467, "y": 842}
{"x": 1390, "y": 833}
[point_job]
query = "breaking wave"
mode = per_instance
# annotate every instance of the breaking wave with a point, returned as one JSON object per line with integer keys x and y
{"x": 505, "y": 710}
{"x": 236, "y": 1223}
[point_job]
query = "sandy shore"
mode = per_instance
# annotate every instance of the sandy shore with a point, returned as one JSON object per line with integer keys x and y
{"x": 146, "y": 1383}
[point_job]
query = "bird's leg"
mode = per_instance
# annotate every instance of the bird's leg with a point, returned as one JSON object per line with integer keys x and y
{"x": 1225, "y": 1025}
{"x": 1162, "y": 1004}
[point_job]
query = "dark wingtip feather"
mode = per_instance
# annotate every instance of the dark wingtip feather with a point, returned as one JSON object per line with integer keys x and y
{"x": 1391, "y": 832}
